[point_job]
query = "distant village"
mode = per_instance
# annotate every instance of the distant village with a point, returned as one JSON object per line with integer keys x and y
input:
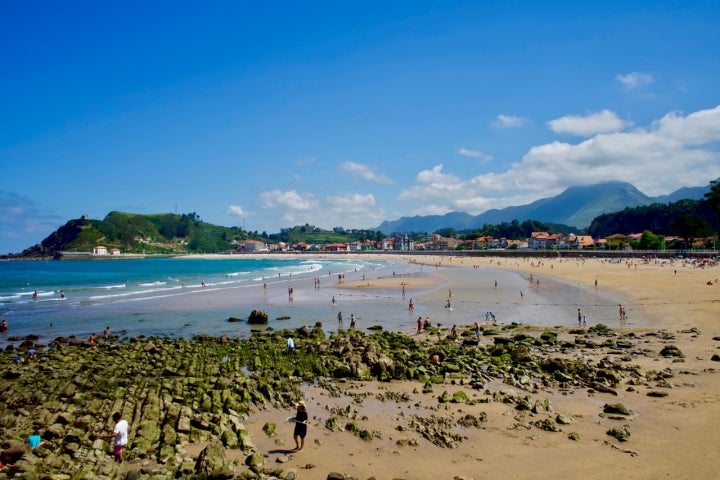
{"x": 537, "y": 241}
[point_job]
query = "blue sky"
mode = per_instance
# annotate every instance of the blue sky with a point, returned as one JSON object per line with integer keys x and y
{"x": 271, "y": 114}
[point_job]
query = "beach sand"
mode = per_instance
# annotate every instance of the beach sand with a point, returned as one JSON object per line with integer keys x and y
{"x": 674, "y": 436}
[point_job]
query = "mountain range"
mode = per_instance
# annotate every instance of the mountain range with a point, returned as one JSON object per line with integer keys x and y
{"x": 577, "y": 206}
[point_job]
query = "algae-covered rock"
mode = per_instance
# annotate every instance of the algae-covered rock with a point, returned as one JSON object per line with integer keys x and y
{"x": 270, "y": 429}
{"x": 245, "y": 442}
{"x": 333, "y": 424}
{"x": 459, "y": 397}
{"x": 229, "y": 439}
{"x": 616, "y": 408}
{"x": 564, "y": 419}
{"x": 574, "y": 436}
{"x": 622, "y": 433}
{"x": 255, "y": 461}
{"x": 212, "y": 460}
{"x": 672, "y": 351}
{"x": 547, "y": 424}
{"x": 548, "y": 337}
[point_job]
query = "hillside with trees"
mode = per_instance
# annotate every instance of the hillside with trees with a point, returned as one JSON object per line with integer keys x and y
{"x": 141, "y": 234}
{"x": 685, "y": 218}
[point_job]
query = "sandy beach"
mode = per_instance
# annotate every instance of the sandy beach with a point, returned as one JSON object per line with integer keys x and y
{"x": 523, "y": 406}
{"x": 671, "y": 436}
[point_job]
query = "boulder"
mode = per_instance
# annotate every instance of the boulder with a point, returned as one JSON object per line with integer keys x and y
{"x": 616, "y": 408}
{"x": 622, "y": 433}
{"x": 672, "y": 351}
{"x": 258, "y": 317}
{"x": 212, "y": 461}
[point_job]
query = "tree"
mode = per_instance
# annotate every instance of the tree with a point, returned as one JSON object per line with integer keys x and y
{"x": 712, "y": 198}
{"x": 650, "y": 241}
{"x": 690, "y": 227}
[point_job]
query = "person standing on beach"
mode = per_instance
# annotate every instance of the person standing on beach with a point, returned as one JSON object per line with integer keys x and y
{"x": 477, "y": 331}
{"x": 352, "y": 320}
{"x": 579, "y": 318}
{"x": 300, "y": 430}
{"x": 119, "y": 436}
{"x": 290, "y": 345}
{"x": 419, "y": 325}
{"x": 340, "y": 322}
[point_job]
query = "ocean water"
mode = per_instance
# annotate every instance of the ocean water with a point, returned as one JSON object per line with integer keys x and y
{"x": 180, "y": 296}
{"x": 185, "y": 296}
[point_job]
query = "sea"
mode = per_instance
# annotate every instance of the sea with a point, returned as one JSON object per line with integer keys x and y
{"x": 181, "y": 297}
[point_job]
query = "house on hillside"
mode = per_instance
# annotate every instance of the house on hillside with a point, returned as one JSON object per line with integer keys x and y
{"x": 100, "y": 250}
{"x": 583, "y": 242}
{"x": 538, "y": 240}
{"x": 367, "y": 246}
{"x": 336, "y": 247}
{"x": 438, "y": 242}
{"x": 403, "y": 243}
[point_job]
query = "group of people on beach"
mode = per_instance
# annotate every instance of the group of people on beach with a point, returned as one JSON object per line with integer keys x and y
{"x": 340, "y": 319}
{"x": 119, "y": 437}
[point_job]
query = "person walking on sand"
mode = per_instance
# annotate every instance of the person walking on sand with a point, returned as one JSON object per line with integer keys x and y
{"x": 119, "y": 436}
{"x": 477, "y": 331}
{"x": 300, "y": 431}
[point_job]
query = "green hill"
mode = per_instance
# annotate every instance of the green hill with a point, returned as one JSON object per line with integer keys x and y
{"x": 163, "y": 233}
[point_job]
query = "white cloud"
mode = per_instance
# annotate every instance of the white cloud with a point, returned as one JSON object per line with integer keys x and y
{"x": 604, "y": 121}
{"x": 236, "y": 211}
{"x": 673, "y": 152}
{"x": 349, "y": 210}
{"x": 467, "y": 152}
{"x": 290, "y": 199}
{"x": 696, "y": 129}
{"x": 634, "y": 80}
{"x": 365, "y": 171}
{"x": 509, "y": 121}
{"x": 657, "y": 160}
{"x": 353, "y": 210}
